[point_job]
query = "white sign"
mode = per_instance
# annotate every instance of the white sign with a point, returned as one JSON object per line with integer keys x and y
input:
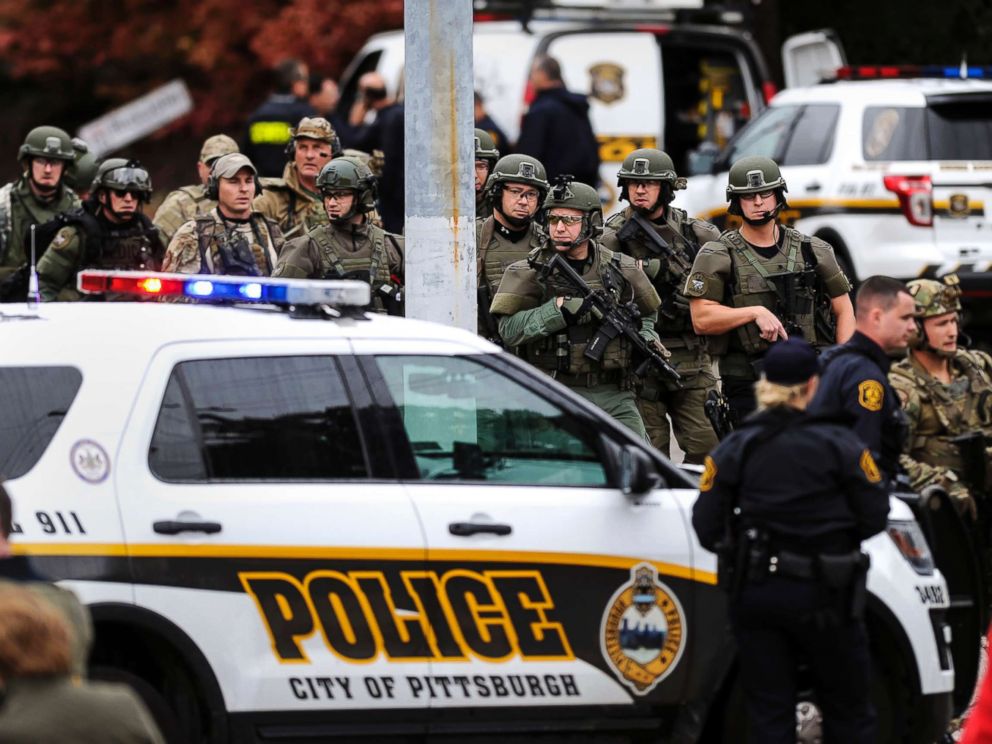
{"x": 136, "y": 119}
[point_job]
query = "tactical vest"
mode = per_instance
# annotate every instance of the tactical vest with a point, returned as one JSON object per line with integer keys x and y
{"x": 229, "y": 249}
{"x": 369, "y": 263}
{"x": 753, "y": 282}
{"x": 949, "y": 410}
{"x": 562, "y": 354}
{"x": 132, "y": 247}
{"x": 496, "y": 253}
{"x": 16, "y": 218}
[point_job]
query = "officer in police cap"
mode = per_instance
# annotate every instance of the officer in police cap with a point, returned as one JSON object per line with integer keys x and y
{"x": 231, "y": 238}
{"x": 349, "y": 246}
{"x": 855, "y": 386}
{"x": 785, "y": 501}
{"x": 946, "y": 393}
{"x": 667, "y": 239}
{"x": 546, "y": 317}
{"x": 108, "y": 232}
{"x": 763, "y": 282}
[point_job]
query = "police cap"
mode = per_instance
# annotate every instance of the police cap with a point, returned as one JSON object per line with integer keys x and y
{"x": 790, "y": 362}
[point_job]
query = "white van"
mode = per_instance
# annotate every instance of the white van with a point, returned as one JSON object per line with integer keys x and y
{"x": 658, "y": 73}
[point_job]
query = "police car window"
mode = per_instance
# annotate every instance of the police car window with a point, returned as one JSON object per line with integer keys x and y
{"x": 765, "y": 135}
{"x": 269, "y": 418}
{"x": 960, "y": 130}
{"x": 33, "y": 403}
{"x": 812, "y": 138}
{"x": 893, "y": 133}
{"x": 468, "y": 422}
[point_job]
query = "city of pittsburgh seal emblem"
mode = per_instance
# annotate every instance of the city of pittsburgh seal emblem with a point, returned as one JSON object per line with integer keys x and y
{"x": 643, "y": 631}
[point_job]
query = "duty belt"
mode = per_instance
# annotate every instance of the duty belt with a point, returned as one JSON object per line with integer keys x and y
{"x": 792, "y": 565}
{"x": 589, "y": 379}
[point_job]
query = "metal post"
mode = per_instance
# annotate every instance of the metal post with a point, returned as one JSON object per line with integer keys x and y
{"x": 440, "y": 194}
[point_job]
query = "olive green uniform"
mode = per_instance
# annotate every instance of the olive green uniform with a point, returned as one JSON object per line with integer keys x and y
{"x": 130, "y": 246}
{"x": 19, "y": 209}
{"x": 938, "y": 412}
{"x": 288, "y": 203}
{"x": 50, "y": 709}
{"x": 689, "y": 353}
{"x": 211, "y": 245}
{"x": 733, "y": 273}
{"x": 364, "y": 251}
{"x": 179, "y": 207}
{"x": 529, "y": 318}
{"x": 496, "y": 251}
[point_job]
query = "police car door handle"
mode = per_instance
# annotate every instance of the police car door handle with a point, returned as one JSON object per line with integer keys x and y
{"x": 814, "y": 186}
{"x": 173, "y": 527}
{"x": 465, "y": 529}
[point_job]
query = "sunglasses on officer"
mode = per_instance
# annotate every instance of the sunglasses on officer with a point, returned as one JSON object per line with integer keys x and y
{"x": 567, "y": 219}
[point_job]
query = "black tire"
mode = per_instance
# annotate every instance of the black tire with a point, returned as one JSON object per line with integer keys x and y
{"x": 165, "y": 717}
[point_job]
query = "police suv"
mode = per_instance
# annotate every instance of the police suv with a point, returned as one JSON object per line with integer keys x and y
{"x": 295, "y": 521}
{"x": 890, "y": 165}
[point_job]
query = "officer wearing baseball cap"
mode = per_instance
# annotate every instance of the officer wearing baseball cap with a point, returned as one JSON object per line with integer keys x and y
{"x": 785, "y": 502}
{"x": 231, "y": 238}
{"x": 188, "y": 202}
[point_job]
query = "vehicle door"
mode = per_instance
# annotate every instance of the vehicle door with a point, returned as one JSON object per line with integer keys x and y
{"x": 559, "y": 590}
{"x": 261, "y": 521}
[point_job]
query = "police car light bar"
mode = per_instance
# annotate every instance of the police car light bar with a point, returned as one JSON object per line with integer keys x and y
{"x": 341, "y": 293}
{"x": 893, "y": 72}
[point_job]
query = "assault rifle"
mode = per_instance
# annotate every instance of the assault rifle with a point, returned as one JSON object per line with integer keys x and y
{"x": 639, "y": 229}
{"x": 797, "y": 294}
{"x": 616, "y": 320}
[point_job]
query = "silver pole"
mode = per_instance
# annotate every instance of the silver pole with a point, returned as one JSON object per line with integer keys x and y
{"x": 439, "y": 151}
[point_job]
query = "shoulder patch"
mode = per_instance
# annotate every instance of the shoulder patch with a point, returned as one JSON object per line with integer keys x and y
{"x": 709, "y": 473}
{"x": 869, "y": 468}
{"x": 696, "y": 285}
{"x": 870, "y": 395}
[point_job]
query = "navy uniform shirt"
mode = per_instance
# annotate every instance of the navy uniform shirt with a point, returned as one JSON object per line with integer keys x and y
{"x": 807, "y": 481}
{"x": 854, "y": 388}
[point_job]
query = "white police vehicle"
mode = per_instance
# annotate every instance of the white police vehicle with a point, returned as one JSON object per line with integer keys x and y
{"x": 890, "y": 165}
{"x": 293, "y": 521}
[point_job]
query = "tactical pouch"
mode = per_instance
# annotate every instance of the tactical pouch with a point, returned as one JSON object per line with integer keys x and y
{"x": 757, "y": 555}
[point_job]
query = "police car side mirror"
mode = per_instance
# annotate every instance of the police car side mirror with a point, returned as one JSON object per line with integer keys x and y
{"x": 702, "y": 160}
{"x": 638, "y": 474}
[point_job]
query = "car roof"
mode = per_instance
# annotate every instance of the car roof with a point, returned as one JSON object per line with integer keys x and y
{"x": 908, "y": 92}
{"x": 70, "y": 331}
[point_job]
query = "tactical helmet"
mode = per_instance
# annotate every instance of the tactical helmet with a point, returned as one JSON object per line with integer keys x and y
{"x": 80, "y": 174}
{"x": 315, "y": 128}
{"x": 349, "y": 174}
{"x": 647, "y": 164}
{"x": 119, "y": 174}
{"x": 485, "y": 147}
{"x": 47, "y": 142}
{"x": 517, "y": 169}
{"x": 935, "y": 297}
{"x": 217, "y": 146}
{"x": 570, "y": 194}
{"x": 754, "y": 175}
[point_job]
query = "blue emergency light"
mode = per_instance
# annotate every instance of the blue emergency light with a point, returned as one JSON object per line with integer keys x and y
{"x": 230, "y": 289}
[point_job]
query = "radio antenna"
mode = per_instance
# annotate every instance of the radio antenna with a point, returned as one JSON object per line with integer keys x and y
{"x": 34, "y": 295}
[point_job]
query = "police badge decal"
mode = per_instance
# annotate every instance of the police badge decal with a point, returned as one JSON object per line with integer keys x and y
{"x": 643, "y": 631}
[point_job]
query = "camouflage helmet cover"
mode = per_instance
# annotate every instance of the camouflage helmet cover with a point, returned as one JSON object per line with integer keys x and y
{"x": 349, "y": 174}
{"x": 649, "y": 164}
{"x": 754, "y": 175}
{"x": 320, "y": 129}
{"x": 518, "y": 169}
{"x": 935, "y": 297}
{"x": 485, "y": 147}
{"x": 47, "y": 142}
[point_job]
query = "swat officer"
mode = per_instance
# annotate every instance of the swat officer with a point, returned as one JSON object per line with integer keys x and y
{"x": 652, "y": 230}
{"x": 349, "y": 247}
{"x": 293, "y": 202}
{"x": 189, "y": 202}
{"x": 790, "y": 552}
{"x": 37, "y": 196}
{"x": 763, "y": 282}
{"x": 516, "y": 188}
{"x": 946, "y": 393}
{"x": 231, "y": 238}
{"x": 855, "y": 386}
{"x": 486, "y": 156}
{"x": 540, "y": 312}
{"x": 80, "y": 174}
{"x": 108, "y": 232}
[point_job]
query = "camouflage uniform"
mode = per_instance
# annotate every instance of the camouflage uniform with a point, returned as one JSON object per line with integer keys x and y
{"x": 690, "y": 353}
{"x": 529, "y": 318}
{"x": 189, "y": 202}
{"x": 285, "y": 201}
{"x": 212, "y": 245}
{"x": 19, "y": 209}
{"x": 937, "y": 412}
{"x": 334, "y": 251}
